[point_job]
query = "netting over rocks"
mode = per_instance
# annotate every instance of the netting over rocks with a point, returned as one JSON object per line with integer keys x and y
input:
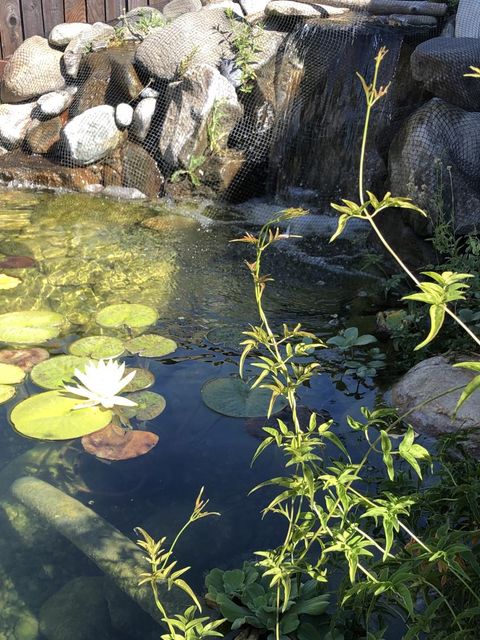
{"x": 228, "y": 99}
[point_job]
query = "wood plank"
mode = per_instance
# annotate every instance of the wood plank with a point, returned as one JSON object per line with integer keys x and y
{"x": 133, "y": 4}
{"x": 114, "y": 8}
{"x": 10, "y": 26}
{"x": 75, "y": 11}
{"x": 158, "y": 4}
{"x": 32, "y": 18}
{"x": 96, "y": 11}
{"x": 53, "y": 14}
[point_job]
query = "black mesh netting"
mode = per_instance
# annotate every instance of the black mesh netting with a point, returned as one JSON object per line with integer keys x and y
{"x": 209, "y": 102}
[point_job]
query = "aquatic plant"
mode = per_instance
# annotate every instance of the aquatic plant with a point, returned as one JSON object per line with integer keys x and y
{"x": 243, "y": 40}
{"x": 102, "y": 381}
{"x": 193, "y": 171}
{"x": 215, "y": 127}
{"x": 232, "y": 396}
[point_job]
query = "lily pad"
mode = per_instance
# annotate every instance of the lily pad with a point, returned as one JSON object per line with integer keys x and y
{"x": 142, "y": 380}
{"x": 126, "y": 314}
{"x": 234, "y": 397}
{"x": 6, "y": 392}
{"x": 8, "y": 282}
{"x": 151, "y": 346}
{"x": 52, "y": 416}
{"x": 10, "y": 374}
{"x": 54, "y": 373}
{"x": 227, "y": 336}
{"x": 29, "y": 327}
{"x": 115, "y": 443}
{"x": 26, "y": 359}
{"x": 149, "y": 405}
{"x": 97, "y": 347}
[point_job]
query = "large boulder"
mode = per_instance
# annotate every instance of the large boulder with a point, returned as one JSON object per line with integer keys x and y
{"x": 14, "y": 122}
{"x": 91, "y": 136}
{"x": 82, "y": 44}
{"x": 429, "y": 379}
{"x": 176, "y": 8}
{"x": 34, "y": 69}
{"x": 441, "y": 64}
{"x": 62, "y": 34}
{"x": 43, "y": 135}
{"x": 198, "y": 37}
{"x": 294, "y": 9}
{"x": 437, "y": 154}
{"x": 467, "y": 24}
{"x": 132, "y": 167}
{"x": 202, "y": 96}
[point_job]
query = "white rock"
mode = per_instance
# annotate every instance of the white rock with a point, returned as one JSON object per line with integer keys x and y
{"x": 123, "y": 193}
{"x": 289, "y": 8}
{"x": 54, "y": 103}
{"x": 142, "y": 118}
{"x": 253, "y": 6}
{"x": 123, "y": 115}
{"x": 467, "y": 24}
{"x": 82, "y": 43}
{"x": 92, "y": 135}
{"x": 62, "y": 34}
{"x": 226, "y": 4}
{"x": 14, "y": 122}
{"x": 176, "y": 8}
{"x": 149, "y": 92}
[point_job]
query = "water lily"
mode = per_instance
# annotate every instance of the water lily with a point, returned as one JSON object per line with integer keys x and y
{"x": 101, "y": 382}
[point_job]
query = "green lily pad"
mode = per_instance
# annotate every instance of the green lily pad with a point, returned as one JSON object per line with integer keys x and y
{"x": 10, "y": 374}
{"x": 51, "y": 416}
{"x": 97, "y": 347}
{"x": 234, "y": 397}
{"x": 151, "y": 345}
{"x": 150, "y": 405}
{"x": 8, "y": 282}
{"x": 227, "y": 336}
{"x": 6, "y": 392}
{"x": 54, "y": 373}
{"x": 142, "y": 380}
{"x": 29, "y": 327}
{"x": 126, "y": 314}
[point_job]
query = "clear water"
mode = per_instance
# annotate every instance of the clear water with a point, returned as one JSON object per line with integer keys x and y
{"x": 91, "y": 252}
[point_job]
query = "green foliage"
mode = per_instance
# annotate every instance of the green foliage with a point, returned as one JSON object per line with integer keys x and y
{"x": 355, "y": 360}
{"x": 126, "y": 315}
{"x": 6, "y": 392}
{"x": 30, "y": 327}
{"x": 151, "y": 346}
{"x": 246, "y": 596}
{"x": 97, "y": 347}
{"x": 215, "y": 127}
{"x": 186, "y": 62}
{"x": 193, "y": 171}
{"x": 243, "y": 40}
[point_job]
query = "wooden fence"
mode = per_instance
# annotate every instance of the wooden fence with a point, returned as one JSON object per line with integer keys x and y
{"x": 20, "y": 19}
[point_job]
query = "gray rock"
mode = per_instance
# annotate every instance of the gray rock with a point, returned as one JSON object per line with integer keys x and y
{"x": 253, "y": 6}
{"x": 14, "y": 122}
{"x": 293, "y": 9}
{"x": 142, "y": 118}
{"x": 149, "y": 92}
{"x": 226, "y": 4}
{"x": 62, "y": 34}
{"x": 92, "y": 135}
{"x": 79, "y": 611}
{"x": 192, "y": 103}
{"x": 436, "y": 142}
{"x": 123, "y": 115}
{"x": 177, "y": 8}
{"x": 123, "y": 193}
{"x": 431, "y": 378}
{"x": 198, "y": 36}
{"x": 440, "y": 64}
{"x": 34, "y": 69}
{"x": 42, "y": 135}
{"x": 82, "y": 44}
{"x": 468, "y": 19}
{"x": 54, "y": 103}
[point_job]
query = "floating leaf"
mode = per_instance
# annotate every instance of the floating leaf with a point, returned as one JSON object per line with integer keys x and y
{"x": 8, "y": 282}
{"x": 52, "y": 416}
{"x": 149, "y": 405}
{"x": 10, "y": 374}
{"x": 151, "y": 346}
{"x": 234, "y": 397}
{"x": 53, "y": 373}
{"x": 126, "y": 314}
{"x": 29, "y": 327}
{"x": 115, "y": 443}
{"x": 17, "y": 262}
{"x": 97, "y": 347}
{"x": 6, "y": 392}
{"x": 26, "y": 359}
{"x": 142, "y": 380}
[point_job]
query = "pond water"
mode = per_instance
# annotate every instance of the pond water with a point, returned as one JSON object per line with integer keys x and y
{"x": 90, "y": 252}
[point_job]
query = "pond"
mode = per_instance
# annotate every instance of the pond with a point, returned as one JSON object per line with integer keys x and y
{"x": 85, "y": 253}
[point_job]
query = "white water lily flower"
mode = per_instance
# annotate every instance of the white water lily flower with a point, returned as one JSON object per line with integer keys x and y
{"x": 102, "y": 381}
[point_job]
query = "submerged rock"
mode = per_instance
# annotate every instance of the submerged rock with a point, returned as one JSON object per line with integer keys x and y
{"x": 430, "y": 378}
{"x": 203, "y": 94}
{"x": 92, "y": 135}
{"x": 34, "y": 69}
{"x": 123, "y": 193}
